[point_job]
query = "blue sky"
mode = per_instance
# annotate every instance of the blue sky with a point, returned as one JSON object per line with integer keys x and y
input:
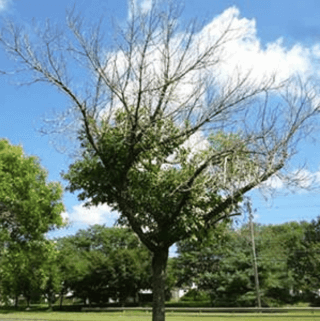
{"x": 289, "y": 28}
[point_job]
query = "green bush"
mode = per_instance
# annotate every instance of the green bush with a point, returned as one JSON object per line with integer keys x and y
{"x": 189, "y": 304}
{"x": 195, "y": 295}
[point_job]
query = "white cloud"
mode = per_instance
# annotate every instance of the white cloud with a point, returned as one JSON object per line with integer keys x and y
{"x": 244, "y": 52}
{"x": 4, "y": 4}
{"x": 274, "y": 183}
{"x": 143, "y": 6}
{"x": 65, "y": 217}
{"x": 297, "y": 181}
{"x": 305, "y": 179}
{"x": 102, "y": 214}
{"x": 197, "y": 142}
{"x": 146, "y": 5}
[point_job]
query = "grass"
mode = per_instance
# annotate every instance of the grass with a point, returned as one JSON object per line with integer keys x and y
{"x": 136, "y": 316}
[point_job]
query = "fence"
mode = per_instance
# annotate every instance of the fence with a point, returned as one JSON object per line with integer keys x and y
{"x": 208, "y": 310}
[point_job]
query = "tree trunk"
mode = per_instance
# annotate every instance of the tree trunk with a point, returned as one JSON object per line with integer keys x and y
{"x": 159, "y": 264}
{"x": 50, "y": 300}
{"x": 61, "y": 299}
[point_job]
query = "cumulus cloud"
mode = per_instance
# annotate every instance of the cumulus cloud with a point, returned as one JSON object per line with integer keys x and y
{"x": 240, "y": 55}
{"x": 102, "y": 214}
{"x": 146, "y": 5}
{"x": 244, "y": 52}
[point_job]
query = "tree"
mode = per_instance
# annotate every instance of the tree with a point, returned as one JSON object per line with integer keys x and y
{"x": 304, "y": 260}
{"x": 16, "y": 275}
{"x": 29, "y": 205}
{"x": 114, "y": 264}
{"x": 222, "y": 264}
{"x": 72, "y": 265}
{"x": 52, "y": 283}
{"x": 147, "y": 98}
{"x": 26, "y": 269}
{"x": 278, "y": 242}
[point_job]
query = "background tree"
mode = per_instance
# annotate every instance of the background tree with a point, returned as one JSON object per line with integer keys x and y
{"x": 144, "y": 100}
{"x": 222, "y": 264}
{"x": 114, "y": 264}
{"x": 278, "y": 243}
{"x": 52, "y": 284}
{"x": 29, "y": 205}
{"x": 305, "y": 262}
{"x": 26, "y": 269}
{"x": 72, "y": 265}
{"x": 171, "y": 278}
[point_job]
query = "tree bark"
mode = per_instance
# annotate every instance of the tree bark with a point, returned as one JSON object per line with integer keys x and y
{"x": 159, "y": 264}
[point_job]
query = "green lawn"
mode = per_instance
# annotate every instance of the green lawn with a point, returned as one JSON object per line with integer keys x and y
{"x": 136, "y": 316}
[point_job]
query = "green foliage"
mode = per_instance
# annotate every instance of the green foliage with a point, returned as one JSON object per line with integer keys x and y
{"x": 222, "y": 264}
{"x": 194, "y": 295}
{"x": 72, "y": 265}
{"x": 101, "y": 263}
{"x": 29, "y": 205}
{"x": 130, "y": 171}
{"x": 305, "y": 260}
{"x": 28, "y": 270}
{"x": 52, "y": 284}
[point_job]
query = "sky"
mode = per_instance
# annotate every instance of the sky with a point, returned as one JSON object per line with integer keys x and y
{"x": 284, "y": 36}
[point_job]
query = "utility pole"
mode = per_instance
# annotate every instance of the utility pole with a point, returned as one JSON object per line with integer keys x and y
{"x": 255, "y": 267}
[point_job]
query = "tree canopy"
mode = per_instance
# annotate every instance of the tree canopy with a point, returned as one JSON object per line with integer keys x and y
{"x": 103, "y": 263}
{"x": 29, "y": 205}
{"x": 304, "y": 259}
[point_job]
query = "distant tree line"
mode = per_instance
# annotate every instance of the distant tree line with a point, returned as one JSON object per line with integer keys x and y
{"x": 100, "y": 265}
{"x": 95, "y": 265}
{"x": 221, "y": 266}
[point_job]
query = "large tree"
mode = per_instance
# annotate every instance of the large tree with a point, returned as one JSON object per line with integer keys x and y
{"x": 168, "y": 138}
{"x": 29, "y": 207}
